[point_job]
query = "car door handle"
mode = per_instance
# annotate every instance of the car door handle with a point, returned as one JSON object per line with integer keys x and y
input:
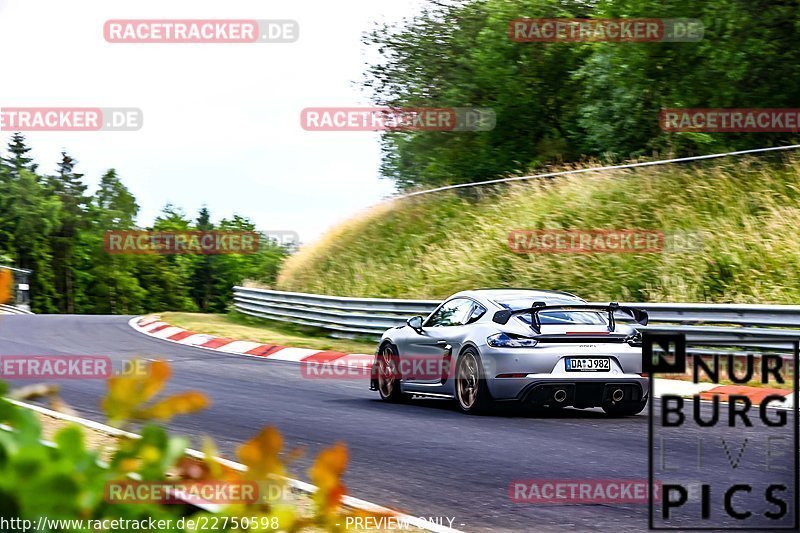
{"x": 441, "y": 343}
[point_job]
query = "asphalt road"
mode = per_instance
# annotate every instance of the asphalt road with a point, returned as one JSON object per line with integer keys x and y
{"x": 423, "y": 458}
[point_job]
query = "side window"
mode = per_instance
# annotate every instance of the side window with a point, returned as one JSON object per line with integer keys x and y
{"x": 477, "y": 311}
{"x": 456, "y": 312}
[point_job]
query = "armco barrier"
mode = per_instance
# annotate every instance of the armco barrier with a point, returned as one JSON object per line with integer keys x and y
{"x": 11, "y": 310}
{"x": 746, "y": 325}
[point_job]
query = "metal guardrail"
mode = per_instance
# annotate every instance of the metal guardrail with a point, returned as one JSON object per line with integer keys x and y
{"x": 11, "y": 310}
{"x": 772, "y": 327}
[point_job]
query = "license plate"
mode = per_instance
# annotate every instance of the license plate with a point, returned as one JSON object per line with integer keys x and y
{"x": 588, "y": 364}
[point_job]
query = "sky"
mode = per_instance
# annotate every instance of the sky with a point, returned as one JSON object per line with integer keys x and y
{"x": 221, "y": 121}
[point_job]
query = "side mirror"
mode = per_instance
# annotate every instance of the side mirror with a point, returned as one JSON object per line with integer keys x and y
{"x": 415, "y": 323}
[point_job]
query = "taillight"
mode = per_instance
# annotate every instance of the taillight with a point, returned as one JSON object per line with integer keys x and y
{"x": 510, "y": 340}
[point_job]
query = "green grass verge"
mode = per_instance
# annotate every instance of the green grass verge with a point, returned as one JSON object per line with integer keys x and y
{"x": 747, "y": 211}
{"x": 243, "y": 327}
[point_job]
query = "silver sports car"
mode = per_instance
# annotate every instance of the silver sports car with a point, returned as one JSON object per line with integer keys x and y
{"x": 541, "y": 348}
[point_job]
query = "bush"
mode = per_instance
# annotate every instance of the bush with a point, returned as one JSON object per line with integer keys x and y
{"x": 67, "y": 480}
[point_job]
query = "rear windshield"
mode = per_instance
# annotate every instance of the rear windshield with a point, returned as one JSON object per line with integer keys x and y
{"x": 592, "y": 318}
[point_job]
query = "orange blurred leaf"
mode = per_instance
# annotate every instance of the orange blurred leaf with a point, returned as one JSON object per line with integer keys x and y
{"x": 128, "y": 395}
{"x": 261, "y": 454}
{"x": 179, "y": 404}
{"x": 326, "y": 474}
{"x": 157, "y": 375}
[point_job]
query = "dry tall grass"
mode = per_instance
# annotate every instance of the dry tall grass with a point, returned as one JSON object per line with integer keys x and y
{"x": 429, "y": 247}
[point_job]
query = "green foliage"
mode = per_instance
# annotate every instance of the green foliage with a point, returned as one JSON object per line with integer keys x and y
{"x": 746, "y": 211}
{"x": 66, "y": 480}
{"x": 49, "y": 224}
{"x": 564, "y": 102}
{"x": 18, "y": 159}
{"x": 68, "y": 187}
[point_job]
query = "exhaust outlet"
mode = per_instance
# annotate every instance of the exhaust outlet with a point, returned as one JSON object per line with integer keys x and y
{"x": 560, "y": 395}
{"x": 617, "y": 395}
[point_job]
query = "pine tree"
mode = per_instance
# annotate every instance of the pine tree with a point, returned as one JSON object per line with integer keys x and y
{"x": 18, "y": 160}
{"x": 70, "y": 190}
{"x": 201, "y": 283}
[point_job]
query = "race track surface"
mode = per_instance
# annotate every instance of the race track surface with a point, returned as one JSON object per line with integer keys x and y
{"x": 423, "y": 458}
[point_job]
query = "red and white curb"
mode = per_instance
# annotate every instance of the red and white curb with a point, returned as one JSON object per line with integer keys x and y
{"x": 707, "y": 391}
{"x": 361, "y": 363}
{"x": 300, "y": 486}
{"x": 152, "y": 326}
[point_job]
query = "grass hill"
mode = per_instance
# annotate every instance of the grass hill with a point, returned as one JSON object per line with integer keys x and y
{"x": 746, "y": 210}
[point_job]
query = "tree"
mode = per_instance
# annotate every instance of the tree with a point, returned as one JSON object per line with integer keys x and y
{"x": 460, "y": 55}
{"x": 6, "y": 230}
{"x": 116, "y": 202}
{"x": 18, "y": 160}
{"x": 203, "y": 269}
{"x": 166, "y": 277}
{"x": 69, "y": 189}
{"x": 108, "y": 283}
{"x": 49, "y": 224}
{"x": 33, "y": 217}
{"x": 234, "y": 269}
{"x": 568, "y": 101}
{"x": 625, "y": 87}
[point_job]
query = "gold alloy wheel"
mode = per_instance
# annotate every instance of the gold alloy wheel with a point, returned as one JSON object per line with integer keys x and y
{"x": 467, "y": 381}
{"x": 387, "y": 372}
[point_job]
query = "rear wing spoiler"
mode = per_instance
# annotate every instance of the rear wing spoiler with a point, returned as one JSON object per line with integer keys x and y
{"x": 639, "y": 315}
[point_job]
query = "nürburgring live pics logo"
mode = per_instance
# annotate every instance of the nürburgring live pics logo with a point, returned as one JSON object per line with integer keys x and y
{"x": 730, "y": 466}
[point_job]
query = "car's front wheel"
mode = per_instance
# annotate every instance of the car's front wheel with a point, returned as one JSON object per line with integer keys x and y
{"x": 625, "y": 409}
{"x": 472, "y": 394}
{"x": 388, "y": 375}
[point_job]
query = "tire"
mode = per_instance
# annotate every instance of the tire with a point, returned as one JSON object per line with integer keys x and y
{"x": 388, "y": 379}
{"x": 626, "y": 409}
{"x": 472, "y": 394}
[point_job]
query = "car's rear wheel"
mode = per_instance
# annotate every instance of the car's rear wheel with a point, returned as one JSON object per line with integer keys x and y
{"x": 388, "y": 375}
{"x": 472, "y": 394}
{"x": 625, "y": 409}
